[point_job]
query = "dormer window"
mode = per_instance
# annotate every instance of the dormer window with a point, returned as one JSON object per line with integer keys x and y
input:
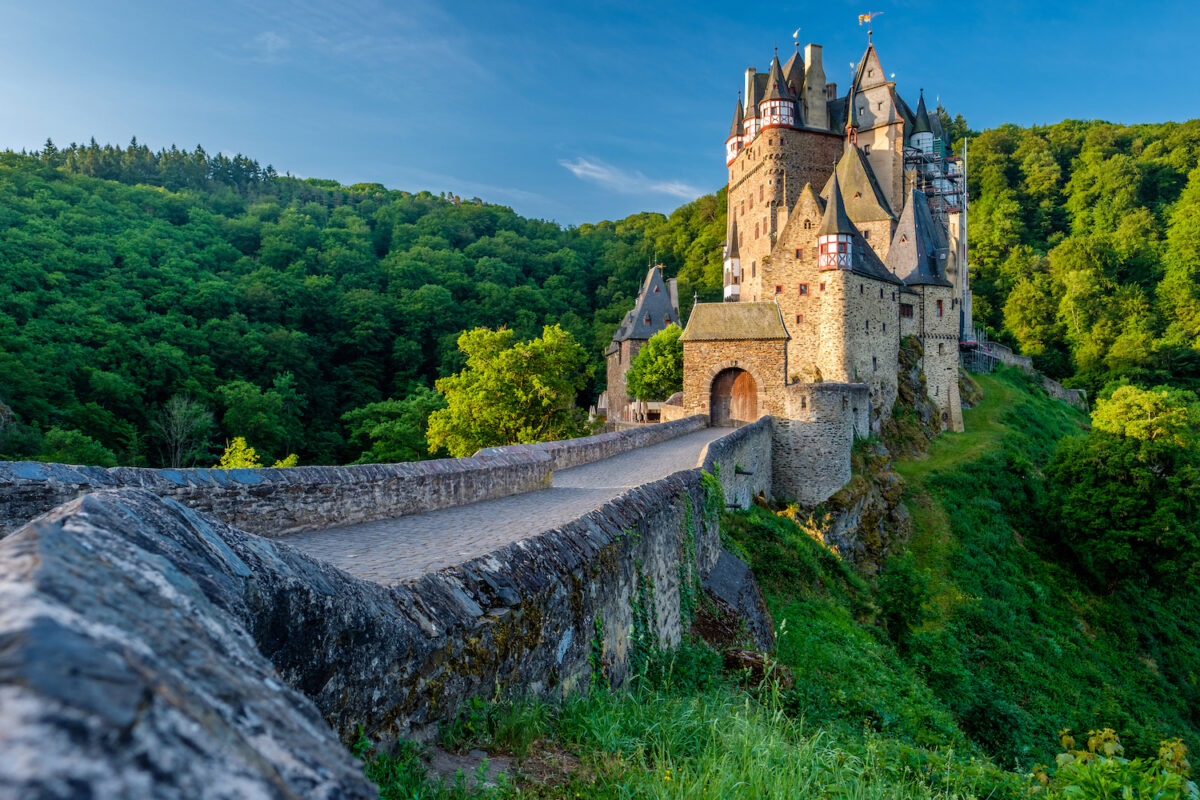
{"x": 858, "y": 194}
{"x": 647, "y": 320}
{"x": 808, "y": 224}
{"x": 656, "y": 290}
{"x": 866, "y": 149}
{"x": 903, "y": 238}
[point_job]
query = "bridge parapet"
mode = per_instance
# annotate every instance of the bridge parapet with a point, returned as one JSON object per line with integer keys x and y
{"x": 566, "y": 453}
{"x": 277, "y": 502}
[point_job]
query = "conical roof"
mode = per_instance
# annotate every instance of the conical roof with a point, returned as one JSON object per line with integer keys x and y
{"x": 922, "y": 122}
{"x": 918, "y": 250}
{"x": 836, "y": 220}
{"x": 731, "y": 246}
{"x": 653, "y": 311}
{"x": 736, "y": 128}
{"x": 777, "y": 88}
{"x": 793, "y": 72}
{"x": 864, "y": 196}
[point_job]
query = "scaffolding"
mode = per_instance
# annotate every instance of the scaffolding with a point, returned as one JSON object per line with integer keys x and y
{"x": 939, "y": 178}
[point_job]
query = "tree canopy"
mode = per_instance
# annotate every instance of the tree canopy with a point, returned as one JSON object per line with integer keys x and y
{"x": 511, "y": 392}
{"x": 656, "y": 372}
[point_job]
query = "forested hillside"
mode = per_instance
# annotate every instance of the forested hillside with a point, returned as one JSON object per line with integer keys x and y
{"x": 1085, "y": 248}
{"x": 303, "y": 314}
{"x": 277, "y": 305}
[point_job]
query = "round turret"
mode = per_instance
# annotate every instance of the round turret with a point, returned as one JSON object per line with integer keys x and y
{"x": 777, "y": 109}
{"x": 736, "y": 140}
{"x": 835, "y": 237}
{"x": 922, "y": 135}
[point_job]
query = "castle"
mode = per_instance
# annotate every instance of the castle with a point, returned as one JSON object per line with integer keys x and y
{"x": 847, "y": 232}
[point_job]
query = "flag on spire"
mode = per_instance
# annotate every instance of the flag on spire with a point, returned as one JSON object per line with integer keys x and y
{"x": 865, "y": 19}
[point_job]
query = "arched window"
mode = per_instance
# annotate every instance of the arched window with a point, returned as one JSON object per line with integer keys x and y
{"x": 808, "y": 224}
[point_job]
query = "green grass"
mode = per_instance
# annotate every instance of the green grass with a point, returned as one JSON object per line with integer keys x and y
{"x": 874, "y": 697}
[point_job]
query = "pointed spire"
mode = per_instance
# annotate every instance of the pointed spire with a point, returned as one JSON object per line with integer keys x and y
{"x": 777, "y": 88}
{"x": 922, "y": 122}
{"x": 836, "y": 220}
{"x": 736, "y": 128}
{"x": 731, "y": 246}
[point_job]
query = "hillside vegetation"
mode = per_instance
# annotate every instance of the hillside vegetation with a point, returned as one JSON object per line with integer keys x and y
{"x": 956, "y": 672}
{"x": 271, "y": 307}
{"x": 274, "y": 305}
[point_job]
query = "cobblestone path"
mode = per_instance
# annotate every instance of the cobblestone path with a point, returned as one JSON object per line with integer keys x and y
{"x": 393, "y": 550}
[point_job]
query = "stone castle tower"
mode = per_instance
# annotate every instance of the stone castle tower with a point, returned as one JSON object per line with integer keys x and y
{"x": 849, "y": 214}
{"x": 657, "y": 306}
{"x": 847, "y": 232}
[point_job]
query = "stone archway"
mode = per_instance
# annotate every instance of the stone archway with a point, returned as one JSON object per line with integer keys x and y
{"x": 733, "y": 398}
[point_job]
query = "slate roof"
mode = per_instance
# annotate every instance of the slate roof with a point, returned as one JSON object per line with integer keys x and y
{"x": 736, "y": 128}
{"x": 922, "y": 123}
{"x": 777, "y": 88}
{"x": 731, "y": 244}
{"x": 835, "y": 220}
{"x": 919, "y": 247}
{"x": 793, "y": 72}
{"x": 735, "y": 322}
{"x": 906, "y": 113}
{"x": 935, "y": 124}
{"x": 863, "y": 259}
{"x": 654, "y": 304}
{"x": 864, "y": 198}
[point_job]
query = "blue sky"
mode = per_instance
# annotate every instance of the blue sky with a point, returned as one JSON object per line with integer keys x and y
{"x": 563, "y": 111}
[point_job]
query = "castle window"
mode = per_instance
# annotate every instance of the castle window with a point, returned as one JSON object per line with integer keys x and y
{"x": 880, "y": 292}
{"x": 860, "y": 288}
{"x": 885, "y": 327}
{"x": 875, "y": 363}
{"x": 804, "y": 290}
{"x": 822, "y": 286}
{"x": 753, "y": 269}
{"x": 804, "y": 402}
{"x": 941, "y": 348}
{"x": 808, "y": 224}
{"x": 799, "y": 318}
{"x": 656, "y": 290}
{"x": 867, "y": 325}
{"x": 939, "y": 308}
{"x": 647, "y": 320}
{"x": 866, "y": 149}
{"x": 778, "y": 289}
{"x": 760, "y": 192}
{"x": 667, "y": 319}
{"x": 903, "y": 238}
{"x": 906, "y": 311}
{"x": 866, "y": 234}
{"x": 799, "y": 253}
{"x": 858, "y": 194}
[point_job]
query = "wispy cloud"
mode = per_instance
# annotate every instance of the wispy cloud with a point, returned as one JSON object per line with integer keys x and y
{"x": 624, "y": 181}
{"x": 269, "y": 47}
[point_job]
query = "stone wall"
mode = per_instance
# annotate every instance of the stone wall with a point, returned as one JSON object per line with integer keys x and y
{"x": 765, "y": 360}
{"x": 1076, "y": 397}
{"x": 574, "y": 452}
{"x": 276, "y": 502}
{"x": 812, "y": 439}
{"x": 543, "y": 616}
{"x": 743, "y": 460}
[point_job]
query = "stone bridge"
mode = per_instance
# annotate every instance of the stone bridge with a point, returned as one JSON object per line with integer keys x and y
{"x": 216, "y": 632}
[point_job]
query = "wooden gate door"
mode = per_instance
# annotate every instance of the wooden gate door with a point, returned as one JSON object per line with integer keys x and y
{"x": 734, "y": 399}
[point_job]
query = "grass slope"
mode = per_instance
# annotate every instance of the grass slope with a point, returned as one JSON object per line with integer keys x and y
{"x": 948, "y": 676}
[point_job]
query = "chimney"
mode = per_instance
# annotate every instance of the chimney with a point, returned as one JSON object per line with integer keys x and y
{"x": 813, "y": 97}
{"x": 831, "y": 91}
{"x": 749, "y": 95}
